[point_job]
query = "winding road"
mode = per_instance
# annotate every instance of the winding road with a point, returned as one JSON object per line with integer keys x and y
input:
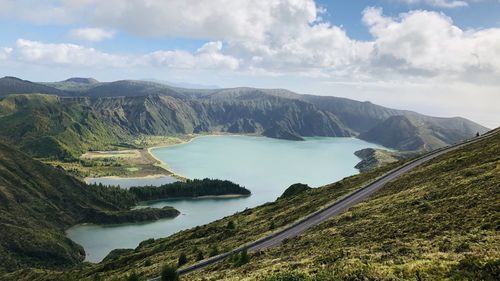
{"x": 331, "y": 210}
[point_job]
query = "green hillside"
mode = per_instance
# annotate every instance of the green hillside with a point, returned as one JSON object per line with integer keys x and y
{"x": 38, "y": 202}
{"x": 439, "y": 221}
{"x": 13, "y": 85}
{"x": 63, "y": 128}
{"x": 53, "y": 127}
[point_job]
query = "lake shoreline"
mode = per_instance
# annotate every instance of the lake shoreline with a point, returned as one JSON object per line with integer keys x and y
{"x": 164, "y": 165}
{"x": 317, "y": 161}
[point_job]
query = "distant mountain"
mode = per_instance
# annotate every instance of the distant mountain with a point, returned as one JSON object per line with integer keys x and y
{"x": 80, "y": 80}
{"x": 415, "y": 132}
{"x": 128, "y": 107}
{"x": 129, "y": 88}
{"x": 183, "y": 85}
{"x": 13, "y": 85}
{"x": 54, "y": 127}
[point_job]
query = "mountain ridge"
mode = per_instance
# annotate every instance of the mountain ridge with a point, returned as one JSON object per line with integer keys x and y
{"x": 141, "y": 107}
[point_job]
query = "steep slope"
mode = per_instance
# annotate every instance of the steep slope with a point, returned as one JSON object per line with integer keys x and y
{"x": 361, "y": 117}
{"x": 438, "y": 222}
{"x": 13, "y": 85}
{"x": 397, "y": 132}
{"x": 52, "y": 127}
{"x": 417, "y": 132}
{"x": 245, "y": 110}
{"x": 37, "y": 203}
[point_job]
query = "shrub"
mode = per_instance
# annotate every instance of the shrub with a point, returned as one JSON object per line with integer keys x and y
{"x": 169, "y": 273}
{"x": 214, "y": 251}
{"x": 199, "y": 255}
{"x": 182, "y": 259}
{"x": 230, "y": 225}
{"x": 133, "y": 276}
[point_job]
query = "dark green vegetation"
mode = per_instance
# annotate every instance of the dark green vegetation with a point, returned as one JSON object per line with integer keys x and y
{"x": 88, "y": 115}
{"x": 38, "y": 202}
{"x": 190, "y": 188}
{"x": 169, "y": 273}
{"x": 130, "y": 216}
{"x": 440, "y": 221}
{"x": 54, "y": 128}
{"x": 294, "y": 190}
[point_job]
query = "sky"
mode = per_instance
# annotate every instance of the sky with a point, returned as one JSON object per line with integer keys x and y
{"x": 437, "y": 57}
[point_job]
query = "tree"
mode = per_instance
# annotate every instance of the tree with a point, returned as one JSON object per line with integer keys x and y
{"x": 169, "y": 273}
{"x": 182, "y": 260}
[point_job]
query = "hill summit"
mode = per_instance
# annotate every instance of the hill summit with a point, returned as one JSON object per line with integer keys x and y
{"x": 81, "y": 80}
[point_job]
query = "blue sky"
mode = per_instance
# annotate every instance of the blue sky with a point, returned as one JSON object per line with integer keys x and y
{"x": 398, "y": 53}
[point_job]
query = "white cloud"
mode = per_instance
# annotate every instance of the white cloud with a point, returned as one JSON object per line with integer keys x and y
{"x": 209, "y": 56}
{"x": 439, "y": 3}
{"x": 423, "y": 43}
{"x": 63, "y": 54}
{"x": 91, "y": 34}
{"x": 214, "y": 19}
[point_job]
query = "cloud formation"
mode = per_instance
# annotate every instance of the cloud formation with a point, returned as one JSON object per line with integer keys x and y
{"x": 424, "y": 43}
{"x": 91, "y": 34}
{"x": 290, "y": 37}
{"x": 63, "y": 54}
{"x": 209, "y": 56}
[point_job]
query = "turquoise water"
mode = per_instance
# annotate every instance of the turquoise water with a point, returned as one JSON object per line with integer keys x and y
{"x": 265, "y": 166}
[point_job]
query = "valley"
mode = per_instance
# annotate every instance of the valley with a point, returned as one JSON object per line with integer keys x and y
{"x": 136, "y": 133}
{"x": 217, "y": 140}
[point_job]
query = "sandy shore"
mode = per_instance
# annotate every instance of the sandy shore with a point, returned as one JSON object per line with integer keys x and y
{"x": 159, "y": 162}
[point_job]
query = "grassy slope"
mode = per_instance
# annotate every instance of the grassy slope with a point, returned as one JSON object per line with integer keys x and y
{"x": 439, "y": 220}
{"x": 46, "y": 127}
{"x": 37, "y": 202}
{"x": 250, "y": 224}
